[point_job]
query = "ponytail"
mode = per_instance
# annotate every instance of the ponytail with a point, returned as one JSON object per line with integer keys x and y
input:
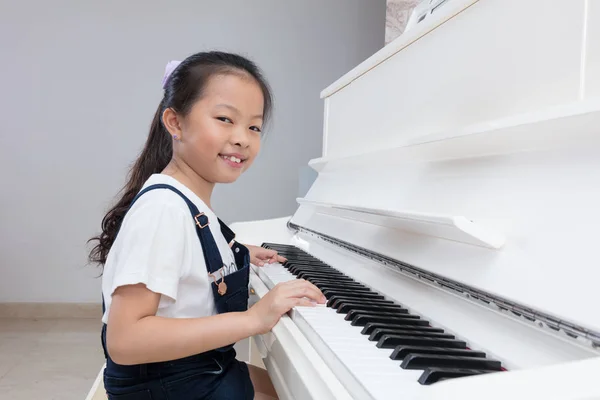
{"x": 155, "y": 156}
{"x": 183, "y": 88}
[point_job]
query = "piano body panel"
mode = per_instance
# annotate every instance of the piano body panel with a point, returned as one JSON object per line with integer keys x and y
{"x": 487, "y": 62}
{"x": 544, "y": 202}
{"x": 277, "y": 378}
{"x": 257, "y": 232}
{"x": 592, "y": 56}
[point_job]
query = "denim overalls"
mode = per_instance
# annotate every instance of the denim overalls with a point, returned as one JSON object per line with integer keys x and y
{"x": 215, "y": 374}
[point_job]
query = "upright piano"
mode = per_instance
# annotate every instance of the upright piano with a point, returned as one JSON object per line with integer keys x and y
{"x": 454, "y": 225}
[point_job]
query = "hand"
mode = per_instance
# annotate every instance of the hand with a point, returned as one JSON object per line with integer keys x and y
{"x": 279, "y": 300}
{"x": 260, "y": 256}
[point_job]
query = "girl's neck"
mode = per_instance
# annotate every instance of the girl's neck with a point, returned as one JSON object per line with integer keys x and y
{"x": 183, "y": 173}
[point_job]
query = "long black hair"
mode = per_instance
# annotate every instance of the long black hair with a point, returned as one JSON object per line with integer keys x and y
{"x": 183, "y": 88}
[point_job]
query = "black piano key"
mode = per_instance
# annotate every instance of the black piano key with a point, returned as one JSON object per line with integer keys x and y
{"x": 386, "y": 328}
{"x": 279, "y": 246}
{"x": 285, "y": 247}
{"x": 351, "y": 315}
{"x": 378, "y": 333}
{"x": 306, "y": 263}
{"x": 293, "y": 262}
{"x": 347, "y": 306}
{"x": 341, "y": 286}
{"x": 329, "y": 279}
{"x": 334, "y": 301}
{"x": 348, "y": 288}
{"x": 329, "y": 291}
{"x": 337, "y": 285}
{"x": 333, "y": 282}
{"x": 332, "y": 285}
{"x": 294, "y": 259}
{"x": 304, "y": 275}
{"x": 433, "y": 375}
{"x": 292, "y": 253}
{"x": 322, "y": 275}
{"x": 424, "y": 329}
{"x": 371, "y": 326}
{"x": 422, "y": 361}
{"x": 299, "y": 257}
{"x": 401, "y": 352}
{"x": 392, "y": 341}
{"x": 294, "y": 268}
{"x": 363, "y": 319}
{"x": 297, "y": 270}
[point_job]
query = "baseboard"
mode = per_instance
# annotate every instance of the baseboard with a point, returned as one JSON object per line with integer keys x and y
{"x": 51, "y": 310}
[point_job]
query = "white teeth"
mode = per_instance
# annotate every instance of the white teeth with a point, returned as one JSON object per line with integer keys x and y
{"x": 232, "y": 158}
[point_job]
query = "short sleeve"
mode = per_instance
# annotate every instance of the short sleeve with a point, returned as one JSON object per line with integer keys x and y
{"x": 150, "y": 248}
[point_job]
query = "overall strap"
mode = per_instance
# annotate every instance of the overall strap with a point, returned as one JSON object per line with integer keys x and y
{"x": 212, "y": 256}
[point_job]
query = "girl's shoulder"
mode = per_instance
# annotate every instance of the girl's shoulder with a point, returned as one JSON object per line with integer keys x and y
{"x": 165, "y": 199}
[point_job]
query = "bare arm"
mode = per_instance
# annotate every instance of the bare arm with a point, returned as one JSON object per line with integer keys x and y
{"x": 135, "y": 335}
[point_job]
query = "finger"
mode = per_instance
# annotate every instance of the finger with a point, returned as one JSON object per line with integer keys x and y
{"x": 307, "y": 289}
{"x": 297, "y": 301}
{"x": 264, "y": 257}
{"x": 302, "y": 282}
{"x": 269, "y": 257}
{"x": 273, "y": 255}
{"x": 304, "y": 302}
{"x": 257, "y": 261}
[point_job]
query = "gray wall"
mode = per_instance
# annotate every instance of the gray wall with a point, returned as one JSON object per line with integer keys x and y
{"x": 81, "y": 81}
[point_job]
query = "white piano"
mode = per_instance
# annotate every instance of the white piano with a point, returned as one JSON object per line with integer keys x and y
{"x": 459, "y": 187}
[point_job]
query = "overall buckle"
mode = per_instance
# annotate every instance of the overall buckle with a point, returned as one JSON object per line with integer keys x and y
{"x": 198, "y": 221}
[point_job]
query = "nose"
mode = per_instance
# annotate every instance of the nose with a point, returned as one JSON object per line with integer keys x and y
{"x": 241, "y": 137}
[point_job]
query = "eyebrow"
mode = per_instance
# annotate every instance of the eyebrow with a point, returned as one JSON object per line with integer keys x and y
{"x": 235, "y": 110}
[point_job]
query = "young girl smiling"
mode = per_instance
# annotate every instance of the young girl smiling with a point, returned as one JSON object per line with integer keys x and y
{"x": 175, "y": 282}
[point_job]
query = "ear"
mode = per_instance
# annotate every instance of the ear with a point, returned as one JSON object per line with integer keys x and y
{"x": 171, "y": 122}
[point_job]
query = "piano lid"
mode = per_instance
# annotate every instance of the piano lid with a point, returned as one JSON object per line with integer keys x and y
{"x": 467, "y": 149}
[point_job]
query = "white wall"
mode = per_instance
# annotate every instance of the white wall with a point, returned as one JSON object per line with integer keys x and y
{"x": 81, "y": 81}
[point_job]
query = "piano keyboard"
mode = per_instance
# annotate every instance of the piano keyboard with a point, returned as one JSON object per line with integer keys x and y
{"x": 377, "y": 341}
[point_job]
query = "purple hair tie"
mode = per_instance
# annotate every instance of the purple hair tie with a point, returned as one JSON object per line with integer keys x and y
{"x": 168, "y": 71}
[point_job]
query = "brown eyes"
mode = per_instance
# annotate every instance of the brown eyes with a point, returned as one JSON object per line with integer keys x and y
{"x": 225, "y": 119}
{"x": 229, "y": 121}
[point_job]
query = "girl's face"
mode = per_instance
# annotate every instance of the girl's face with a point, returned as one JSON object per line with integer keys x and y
{"x": 220, "y": 137}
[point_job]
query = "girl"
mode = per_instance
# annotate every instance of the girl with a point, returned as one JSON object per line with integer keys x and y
{"x": 175, "y": 282}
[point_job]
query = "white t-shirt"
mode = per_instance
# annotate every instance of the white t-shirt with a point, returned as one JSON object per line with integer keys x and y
{"x": 158, "y": 246}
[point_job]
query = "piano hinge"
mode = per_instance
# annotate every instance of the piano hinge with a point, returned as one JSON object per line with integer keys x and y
{"x": 541, "y": 320}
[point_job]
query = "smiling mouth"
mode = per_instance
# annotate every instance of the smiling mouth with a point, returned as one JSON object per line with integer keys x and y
{"x": 232, "y": 159}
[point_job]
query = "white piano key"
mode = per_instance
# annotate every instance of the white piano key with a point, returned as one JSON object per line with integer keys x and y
{"x": 361, "y": 364}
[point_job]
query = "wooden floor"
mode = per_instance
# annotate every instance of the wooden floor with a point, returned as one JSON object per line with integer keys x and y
{"x": 49, "y": 358}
